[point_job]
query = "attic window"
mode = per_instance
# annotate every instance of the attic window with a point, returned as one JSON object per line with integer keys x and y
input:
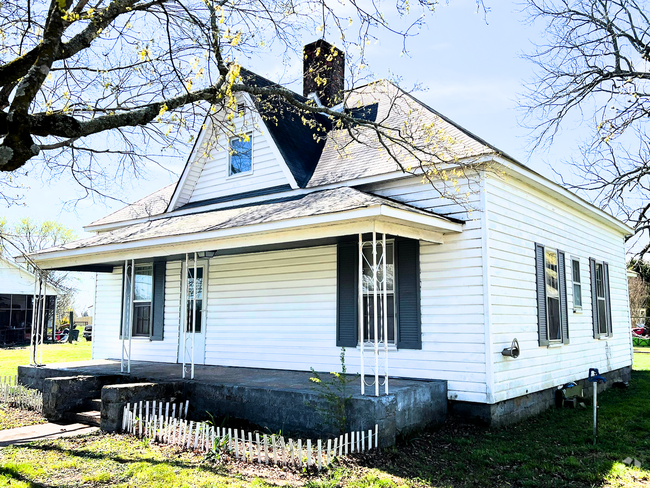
{"x": 241, "y": 108}
{"x": 241, "y": 154}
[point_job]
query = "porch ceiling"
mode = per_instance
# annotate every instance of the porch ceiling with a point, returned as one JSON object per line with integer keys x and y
{"x": 312, "y": 217}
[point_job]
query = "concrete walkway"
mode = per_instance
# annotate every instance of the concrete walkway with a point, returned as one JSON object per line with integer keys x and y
{"x": 21, "y": 435}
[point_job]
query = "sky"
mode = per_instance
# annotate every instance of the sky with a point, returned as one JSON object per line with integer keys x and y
{"x": 470, "y": 65}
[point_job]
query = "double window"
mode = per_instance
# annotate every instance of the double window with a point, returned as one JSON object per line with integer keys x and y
{"x": 600, "y": 299}
{"x": 552, "y": 317}
{"x": 240, "y": 151}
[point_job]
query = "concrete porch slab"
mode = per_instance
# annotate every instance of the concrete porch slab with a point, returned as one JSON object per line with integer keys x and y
{"x": 275, "y": 399}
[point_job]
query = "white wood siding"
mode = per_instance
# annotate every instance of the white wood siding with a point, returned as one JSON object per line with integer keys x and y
{"x": 208, "y": 173}
{"x": 452, "y": 300}
{"x": 107, "y": 319}
{"x": 519, "y": 216}
{"x": 17, "y": 282}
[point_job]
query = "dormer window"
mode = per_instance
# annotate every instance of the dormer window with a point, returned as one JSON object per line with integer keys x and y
{"x": 241, "y": 154}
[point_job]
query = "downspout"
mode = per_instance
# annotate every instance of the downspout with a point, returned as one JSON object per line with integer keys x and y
{"x": 487, "y": 302}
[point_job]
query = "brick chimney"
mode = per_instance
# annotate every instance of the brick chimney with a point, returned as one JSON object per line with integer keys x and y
{"x": 324, "y": 72}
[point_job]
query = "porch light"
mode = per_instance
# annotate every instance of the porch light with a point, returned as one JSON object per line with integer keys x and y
{"x": 206, "y": 254}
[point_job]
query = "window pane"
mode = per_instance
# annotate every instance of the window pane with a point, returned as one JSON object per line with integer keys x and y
{"x": 4, "y": 319}
{"x": 368, "y": 285}
{"x": 602, "y": 317}
{"x": 577, "y": 295}
{"x": 141, "y": 319}
{"x": 550, "y": 261}
{"x": 198, "y": 283}
{"x": 368, "y": 318}
{"x": 553, "y": 312}
{"x": 241, "y": 154}
{"x": 5, "y": 301}
{"x": 575, "y": 271}
{"x": 198, "y": 316}
{"x": 18, "y": 319}
{"x": 18, "y": 302}
{"x": 143, "y": 282}
{"x": 600, "y": 289}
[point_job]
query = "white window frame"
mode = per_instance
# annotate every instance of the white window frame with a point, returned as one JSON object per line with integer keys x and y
{"x": 135, "y": 301}
{"x": 559, "y": 299}
{"x": 243, "y": 173}
{"x": 369, "y": 342}
{"x": 576, "y": 308}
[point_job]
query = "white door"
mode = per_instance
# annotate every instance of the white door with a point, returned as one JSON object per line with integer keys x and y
{"x": 197, "y": 330}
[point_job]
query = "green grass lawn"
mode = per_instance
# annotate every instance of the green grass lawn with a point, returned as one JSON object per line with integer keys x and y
{"x": 551, "y": 450}
{"x": 12, "y": 357}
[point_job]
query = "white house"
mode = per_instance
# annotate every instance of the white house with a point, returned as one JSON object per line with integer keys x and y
{"x": 275, "y": 220}
{"x": 17, "y": 303}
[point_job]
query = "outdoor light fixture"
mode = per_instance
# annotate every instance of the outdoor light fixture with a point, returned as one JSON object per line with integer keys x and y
{"x": 513, "y": 350}
{"x": 206, "y": 254}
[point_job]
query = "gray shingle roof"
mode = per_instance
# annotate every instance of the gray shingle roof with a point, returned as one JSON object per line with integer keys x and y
{"x": 311, "y": 204}
{"x": 345, "y": 159}
{"x": 153, "y": 204}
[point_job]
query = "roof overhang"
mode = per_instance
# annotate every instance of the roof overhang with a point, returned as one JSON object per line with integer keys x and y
{"x": 378, "y": 218}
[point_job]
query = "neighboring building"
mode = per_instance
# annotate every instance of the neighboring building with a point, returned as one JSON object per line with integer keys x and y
{"x": 16, "y": 303}
{"x": 276, "y": 219}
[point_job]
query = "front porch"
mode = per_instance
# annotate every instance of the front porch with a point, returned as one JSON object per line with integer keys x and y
{"x": 273, "y": 399}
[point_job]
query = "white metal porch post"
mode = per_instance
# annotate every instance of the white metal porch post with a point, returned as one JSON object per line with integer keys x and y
{"x": 41, "y": 336}
{"x": 32, "y": 350}
{"x": 127, "y": 318}
{"x": 360, "y": 291}
{"x": 385, "y": 308}
{"x": 380, "y": 324}
{"x": 189, "y": 320}
{"x": 374, "y": 304}
{"x": 194, "y": 280}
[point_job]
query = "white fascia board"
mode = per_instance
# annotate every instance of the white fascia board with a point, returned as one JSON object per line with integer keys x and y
{"x": 559, "y": 192}
{"x": 304, "y": 228}
{"x": 367, "y": 180}
{"x": 205, "y": 129}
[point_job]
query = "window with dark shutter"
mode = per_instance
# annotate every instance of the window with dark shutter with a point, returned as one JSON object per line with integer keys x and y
{"x": 347, "y": 297}
{"x": 148, "y": 300}
{"x": 552, "y": 309}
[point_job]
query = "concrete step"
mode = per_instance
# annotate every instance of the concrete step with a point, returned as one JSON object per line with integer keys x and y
{"x": 94, "y": 404}
{"x": 91, "y": 417}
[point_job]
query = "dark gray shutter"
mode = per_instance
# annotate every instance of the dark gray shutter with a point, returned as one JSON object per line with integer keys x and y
{"x": 347, "y": 294}
{"x": 542, "y": 325}
{"x": 608, "y": 301}
{"x": 158, "y": 305}
{"x": 564, "y": 313}
{"x": 594, "y": 296}
{"x": 407, "y": 278}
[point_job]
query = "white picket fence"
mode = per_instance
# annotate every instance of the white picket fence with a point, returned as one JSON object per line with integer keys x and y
{"x": 19, "y": 396}
{"x": 163, "y": 423}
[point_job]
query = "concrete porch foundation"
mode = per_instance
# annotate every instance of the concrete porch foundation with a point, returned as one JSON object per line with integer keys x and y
{"x": 273, "y": 399}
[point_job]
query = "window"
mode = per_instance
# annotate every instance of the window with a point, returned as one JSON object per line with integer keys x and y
{"x": 148, "y": 293}
{"x": 241, "y": 154}
{"x": 577, "y": 284}
{"x": 368, "y": 292}
{"x": 552, "y": 317}
{"x": 195, "y": 286}
{"x": 142, "y": 300}
{"x": 552, "y": 295}
{"x": 600, "y": 302}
